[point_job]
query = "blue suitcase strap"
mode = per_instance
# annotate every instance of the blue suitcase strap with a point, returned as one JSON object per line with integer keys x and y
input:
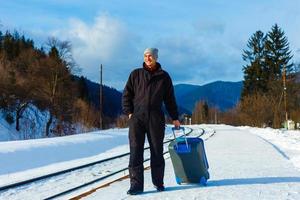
{"x": 182, "y": 148}
{"x": 183, "y": 130}
{"x": 183, "y": 145}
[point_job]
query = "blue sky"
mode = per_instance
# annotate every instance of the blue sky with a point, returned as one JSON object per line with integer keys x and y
{"x": 199, "y": 41}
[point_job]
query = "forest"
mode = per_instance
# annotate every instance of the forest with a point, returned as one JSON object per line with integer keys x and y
{"x": 41, "y": 80}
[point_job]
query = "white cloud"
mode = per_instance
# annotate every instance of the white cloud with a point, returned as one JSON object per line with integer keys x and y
{"x": 193, "y": 58}
{"x": 101, "y": 42}
{"x": 199, "y": 59}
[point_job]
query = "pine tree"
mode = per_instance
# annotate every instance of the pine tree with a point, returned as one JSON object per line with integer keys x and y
{"x": 278, "y": 54}
{"x": 82, "y": 89}
{"x": 16, "y": 88}
{"x": 254, "y": 80}
{"x": 267, "y": 57}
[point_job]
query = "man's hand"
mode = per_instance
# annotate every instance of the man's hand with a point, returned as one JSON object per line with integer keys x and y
{"x": 176, "y": 123}
{"x": 129, "y": 116}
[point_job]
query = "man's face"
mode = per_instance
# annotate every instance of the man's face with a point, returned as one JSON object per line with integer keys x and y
{"x": 149, "y": 60}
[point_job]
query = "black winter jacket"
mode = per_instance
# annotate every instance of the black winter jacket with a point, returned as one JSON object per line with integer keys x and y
{"x": 146, "y": 91}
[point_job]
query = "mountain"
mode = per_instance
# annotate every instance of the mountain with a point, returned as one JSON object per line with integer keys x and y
{"x": 220, "y": 94}
{"x": 111, "y": 98}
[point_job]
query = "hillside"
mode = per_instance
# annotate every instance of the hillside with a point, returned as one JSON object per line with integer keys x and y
{"x": 111, "y": 98}
{"x": 220, "y": 94}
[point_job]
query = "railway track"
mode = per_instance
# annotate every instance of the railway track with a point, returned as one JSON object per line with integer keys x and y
{"x": 88, "y": 175}
{"x": 84, "y": 194}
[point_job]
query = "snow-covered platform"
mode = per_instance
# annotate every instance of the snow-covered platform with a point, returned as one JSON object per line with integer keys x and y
{"x": 242, "y": 166}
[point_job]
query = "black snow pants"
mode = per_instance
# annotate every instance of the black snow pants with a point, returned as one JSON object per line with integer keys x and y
{"x": 152, "y": 124}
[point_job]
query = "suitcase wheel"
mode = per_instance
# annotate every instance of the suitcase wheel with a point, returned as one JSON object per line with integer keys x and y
{"x": 178, "y": 180}
{"x": 203, "y": 181}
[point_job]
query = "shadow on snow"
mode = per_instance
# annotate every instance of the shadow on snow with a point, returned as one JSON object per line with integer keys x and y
{"x": 233, "y": 182}
{"x": 252, "y": 181}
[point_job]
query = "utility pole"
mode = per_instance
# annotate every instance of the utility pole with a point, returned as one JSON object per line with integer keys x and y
{"x": 284, "y": 93}
{"x": 216, "y": 119}
{"x": 101, "y": 102}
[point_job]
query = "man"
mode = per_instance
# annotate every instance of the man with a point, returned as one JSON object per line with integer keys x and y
{"x": 145, "y": 91}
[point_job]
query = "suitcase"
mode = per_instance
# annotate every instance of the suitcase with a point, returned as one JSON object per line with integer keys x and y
{"x": 189, "y": 159}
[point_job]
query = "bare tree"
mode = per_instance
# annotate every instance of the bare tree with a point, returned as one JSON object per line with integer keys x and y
{"x": 200, "y": 113}
{"x": 257, "y": 110}
{"x": 56, "y": 88}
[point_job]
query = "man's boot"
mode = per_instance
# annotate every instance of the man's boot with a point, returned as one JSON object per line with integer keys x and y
{"x": 136, "y": 175}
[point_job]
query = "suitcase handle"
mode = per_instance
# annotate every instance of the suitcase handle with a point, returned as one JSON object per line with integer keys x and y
{"x": 183, "y": 130}
{"x": 176, "y": 129}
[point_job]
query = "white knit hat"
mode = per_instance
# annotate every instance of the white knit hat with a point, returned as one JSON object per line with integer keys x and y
{"x": 152, "y": 51}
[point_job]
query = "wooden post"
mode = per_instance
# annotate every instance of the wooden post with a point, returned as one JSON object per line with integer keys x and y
{"x": 101, "y": 100}
{"x": 284, "y": 94}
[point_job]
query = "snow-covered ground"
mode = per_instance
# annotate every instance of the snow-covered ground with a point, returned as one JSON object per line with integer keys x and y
{"x": 286, "y": 142}
{"x": 16, "y": 156}
{"x": 245, "y": 163}
{"x": 32, "y": 125}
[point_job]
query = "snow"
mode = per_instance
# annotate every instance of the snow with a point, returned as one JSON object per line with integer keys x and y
{"x": 242, "y": 166}
{"x": 6, "y": 132}
{"x": 288, "y": 141}
{"x": 32, "y": 125}
{"x": 57, "y": 153}
{"x": 245, "y": 163}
